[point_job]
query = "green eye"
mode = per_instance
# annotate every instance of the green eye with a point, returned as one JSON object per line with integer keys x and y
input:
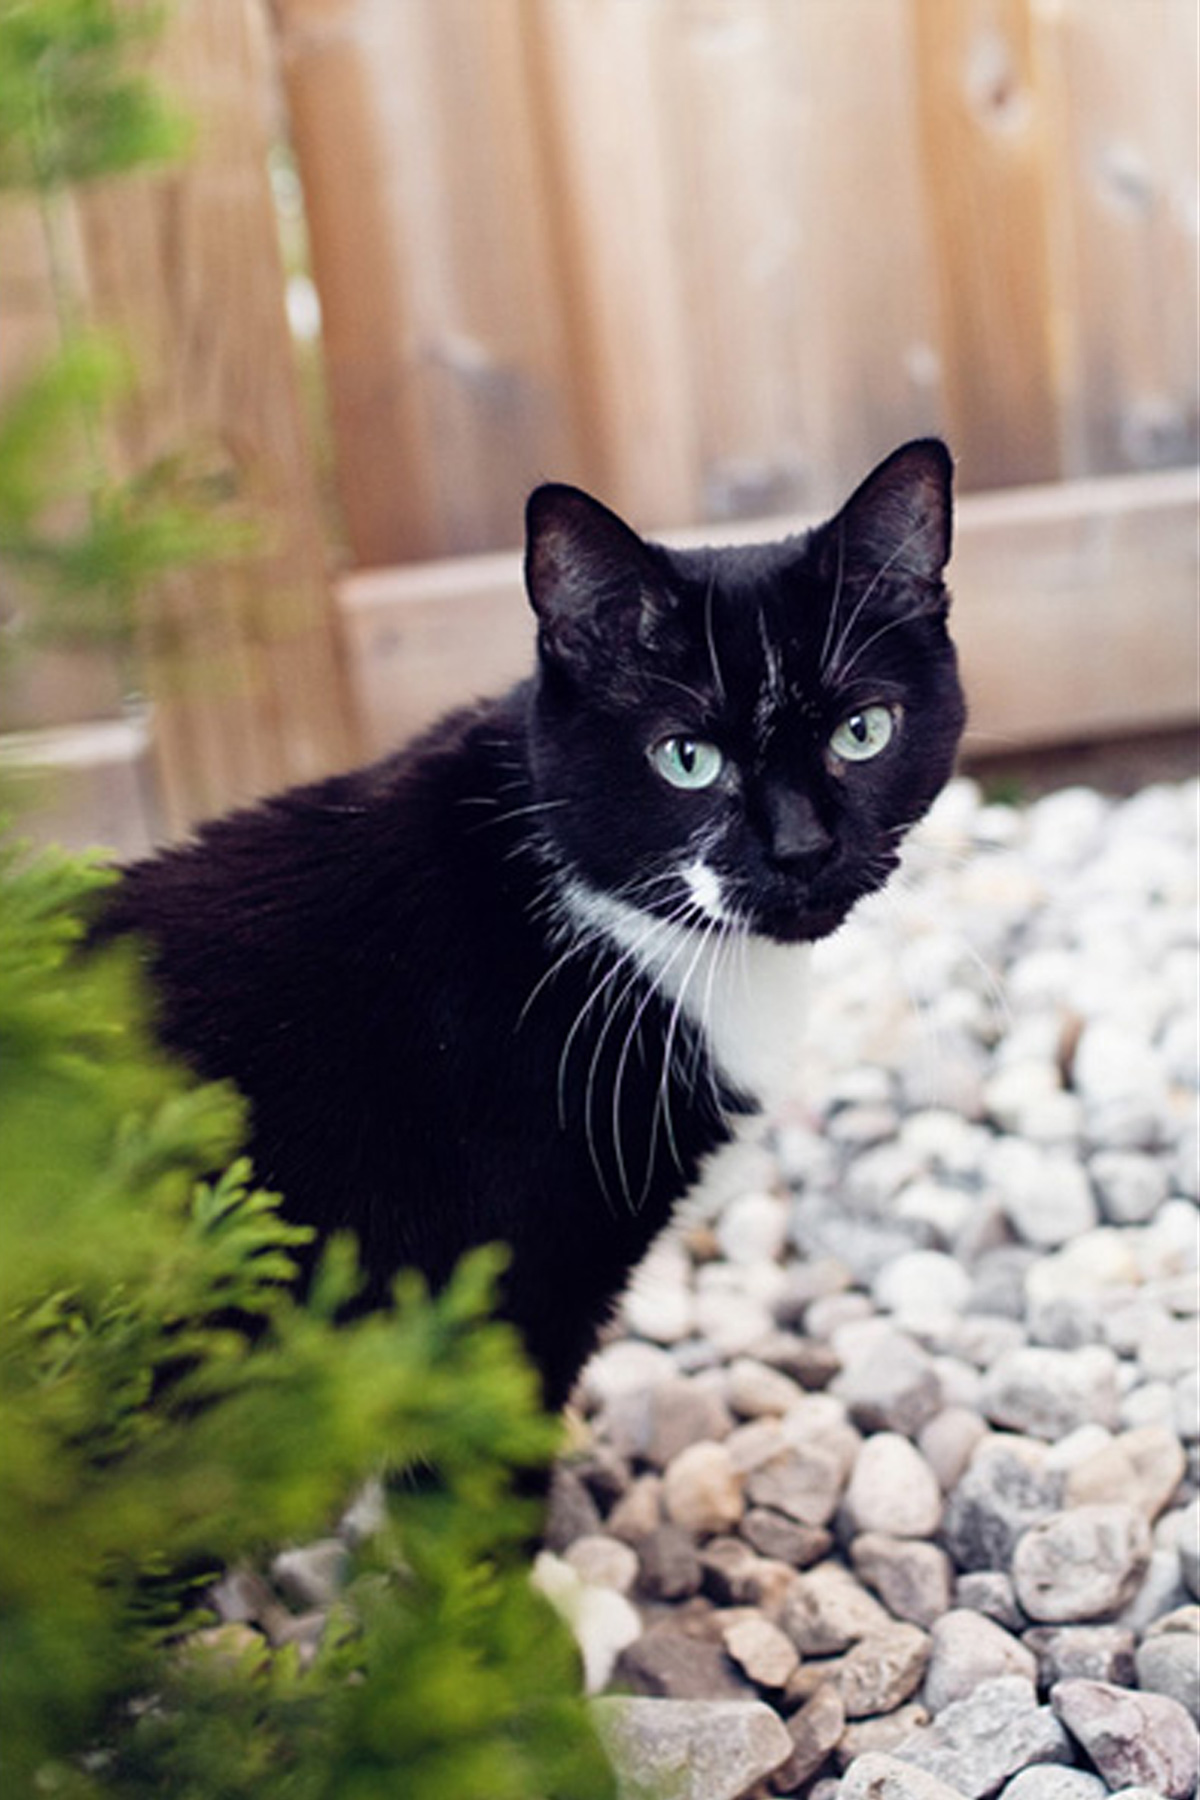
{"x": 687, "y": 762}
{"x": 864, "y": 734}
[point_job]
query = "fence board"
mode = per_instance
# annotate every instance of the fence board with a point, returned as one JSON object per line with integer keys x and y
{"x": 1123, "y": 83}
{"x": 1075, "y": 614}
{"x": 984, "y": 125}
{"x": 446, "y": 353}
{"x": 244, "y": 662}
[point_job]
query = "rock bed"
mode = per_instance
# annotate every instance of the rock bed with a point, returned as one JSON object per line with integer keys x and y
{"x": 887, "y": 1483}
{"x": 884, "y": 1488}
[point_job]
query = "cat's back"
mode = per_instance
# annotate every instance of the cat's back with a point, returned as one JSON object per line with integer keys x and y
{"x": 311, "y": 905}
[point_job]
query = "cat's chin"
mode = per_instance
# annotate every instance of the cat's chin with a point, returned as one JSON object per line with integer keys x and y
{"x": 794, "y": 927}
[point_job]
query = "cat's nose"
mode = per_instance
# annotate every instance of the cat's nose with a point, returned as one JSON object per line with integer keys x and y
{"x": 797, "y": 839}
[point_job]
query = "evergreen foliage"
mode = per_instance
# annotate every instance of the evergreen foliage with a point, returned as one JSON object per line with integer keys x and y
{"x": 149, "y": 1440}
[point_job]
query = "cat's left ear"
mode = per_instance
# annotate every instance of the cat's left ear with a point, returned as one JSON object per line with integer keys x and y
{"x": 898, "y": 521}
{"x": 595, "y": 585}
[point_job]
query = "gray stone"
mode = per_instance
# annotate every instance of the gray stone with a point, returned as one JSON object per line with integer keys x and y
{"x": 668, "y": 1563}
{"x": 822, "y": 1226}
{"x": 1130, "y": 1185}
{"x": 701, "y": 1489}
{"x": 814, "y": 1731}
{"x": 757, "y": 1391}
{"x": 982, "y": 1338}
{"x": 1169, "y": 1663}
{"x": 670, "y": 1663}
{"x": 1133, "y": 1738}
{"x": 1049, "y": 1781}
{"x": 805, "y": 1484}
{"x": 761, "y": 1650}
{"x": 990, "y": 1592}
{"x": 882, "y": 1670}
{"x": 1142, "y": 1467}
{"x": 829, "y": 1312}
{"x": 1082, "y": 1564}
{"x": 772, "y": 1534}
{"x": 827, "y": 1610}
{"x": 948, "y": 1441}
{"x": 892, "y": 1488}
{"x": 967, "y": 1649}
{"x": 921, "y": 1285}
{"x": 637, "y": 1512}
{"x": 314, "y": 1575}
{"x": 677, "y": 1413}
{"x": 734, "y": 1575}
{"x": 570, "y": 1512}
{"x": 1122, "y": 1083}
{"x": 1048, "y": 1393}
{"x": 1044, "y": 1192}
{"x": 691, "y": 1750}
{"x": 878, "y": 1776}
{"x": 604, "y": 1561}
{"x": 1159, "y": 1591}
{"x": 1159, "y": 1464}
{"x": 891, "y": 1386}
{"x": 913, "y": 1579}
{"x": 810, "y": 1363}
{"x": 978, "y": 1743}
{"x": 241, "y": 1597}
{"x": 1168, "y": 1349}
{"x": 864, "y": 1737}
{"x": 755, "y": 1442}
{"x": 1006, "y": 1489}
{"x": 1090, "y": 1652}
{"x": 604, "y": 1474}
{"x": 999, "y": 1280}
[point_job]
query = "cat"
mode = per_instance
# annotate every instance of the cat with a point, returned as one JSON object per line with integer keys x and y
{"x": 517, "y": 981}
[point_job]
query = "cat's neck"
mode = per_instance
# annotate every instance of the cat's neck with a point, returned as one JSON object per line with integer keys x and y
{"x": 746, "y": 995}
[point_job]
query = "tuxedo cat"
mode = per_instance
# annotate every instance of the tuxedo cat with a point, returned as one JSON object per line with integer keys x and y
{"x": 516, "y": 981}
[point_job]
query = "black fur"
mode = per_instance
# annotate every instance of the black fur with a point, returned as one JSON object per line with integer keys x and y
{"x": 382, "y": 961}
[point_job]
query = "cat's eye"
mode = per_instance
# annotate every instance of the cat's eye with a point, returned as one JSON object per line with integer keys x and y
{"x": 687, "y": 762}
{"x": 864, "y": 734}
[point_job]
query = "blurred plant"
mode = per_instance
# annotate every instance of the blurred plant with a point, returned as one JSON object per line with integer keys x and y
{"x": 71, "y": 105}
{"x": 167, "y": 1406}
{"x": 72, "y": 109}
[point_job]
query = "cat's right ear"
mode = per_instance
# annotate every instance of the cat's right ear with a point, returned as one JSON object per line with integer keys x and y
{"x": 594, "y": 585}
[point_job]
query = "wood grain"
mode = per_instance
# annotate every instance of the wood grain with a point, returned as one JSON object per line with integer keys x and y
{"x": 243, "y": 660}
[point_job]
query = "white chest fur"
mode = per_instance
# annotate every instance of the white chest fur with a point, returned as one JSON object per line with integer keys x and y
{"x": 748, "y": 995}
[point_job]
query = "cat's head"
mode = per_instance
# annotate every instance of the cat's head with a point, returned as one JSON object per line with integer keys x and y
{"x": 744, "y": 734}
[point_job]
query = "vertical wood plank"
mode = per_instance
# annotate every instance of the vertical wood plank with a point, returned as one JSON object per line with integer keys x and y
{"x": 985, "y": 138}
{"x": 866, "y": 323}
{"x": 1125, "y": 85}
{"x": 244, "y": 661}
{"x": 414, "y": 132}
{"x": 601, "y": 84}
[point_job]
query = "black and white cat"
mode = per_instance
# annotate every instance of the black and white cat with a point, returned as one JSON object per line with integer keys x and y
{"x": 518, "y": 980}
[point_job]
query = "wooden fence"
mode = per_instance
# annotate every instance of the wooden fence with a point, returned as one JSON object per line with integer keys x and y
{"x": 709, "y": 258}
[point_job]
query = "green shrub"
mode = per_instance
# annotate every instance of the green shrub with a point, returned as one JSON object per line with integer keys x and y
{"x": 148, "y": 1437}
